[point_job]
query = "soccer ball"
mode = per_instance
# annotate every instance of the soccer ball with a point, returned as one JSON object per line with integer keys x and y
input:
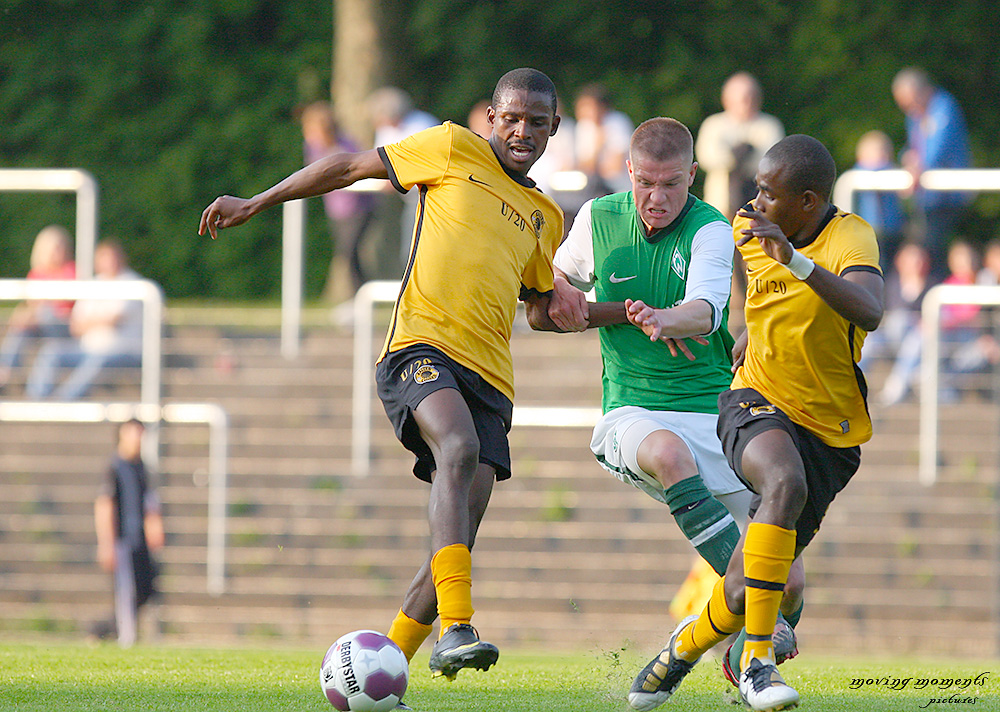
{"x": 364, "y": 671}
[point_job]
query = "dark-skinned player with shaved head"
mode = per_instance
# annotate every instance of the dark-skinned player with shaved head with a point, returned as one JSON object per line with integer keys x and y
{"x": 484, "y": 237}
{"x": 795, "y": 416}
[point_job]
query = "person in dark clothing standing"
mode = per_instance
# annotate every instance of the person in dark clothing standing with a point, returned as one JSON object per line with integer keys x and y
{"x": 129, "y": 525}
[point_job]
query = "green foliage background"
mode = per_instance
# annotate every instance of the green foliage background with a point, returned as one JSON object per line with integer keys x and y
{"x": 172, "y": 102}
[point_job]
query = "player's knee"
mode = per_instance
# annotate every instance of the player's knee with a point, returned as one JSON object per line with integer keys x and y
{"x": 735, "y": 592}
{"x": 669, "y": 463}
{"x": 458, "y": 453}
{"x": 789, "y": 487}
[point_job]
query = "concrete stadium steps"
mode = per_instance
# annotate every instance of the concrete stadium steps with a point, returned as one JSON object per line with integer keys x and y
{"x": 567, "y": 556}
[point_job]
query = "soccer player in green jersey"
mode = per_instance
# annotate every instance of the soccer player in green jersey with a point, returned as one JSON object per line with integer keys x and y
{"x": 659, "y": 245}
{"x": 794, "y": 419}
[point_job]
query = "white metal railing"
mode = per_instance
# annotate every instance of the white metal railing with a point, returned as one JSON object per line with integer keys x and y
{"x": 930, "y": 363}
{"x": 63, "y": 180}
{"x": 143, "y": 290}
{"x": 957, "y": 179}
{"x": 365, "y": 300}
{"x": 210, "y": 414}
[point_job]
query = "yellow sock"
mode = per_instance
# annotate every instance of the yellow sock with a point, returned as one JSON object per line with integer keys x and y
{"x": 713, "y": 626}
{"x": 767, "y": 556}
{"x": 451, "y": 568}
{"x": 408, "y": 634}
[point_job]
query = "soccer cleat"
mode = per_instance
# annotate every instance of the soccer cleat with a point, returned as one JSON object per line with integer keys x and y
{"x": 784, "y": 642}
{"x": 657, "y": 681}
{"x": 460, "y": 647}
{"x": 403, "y": 707}
{"x": 763, "y": 690}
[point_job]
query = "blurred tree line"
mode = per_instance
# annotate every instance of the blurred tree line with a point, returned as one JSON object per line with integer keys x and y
{"x": 172, "y": 102}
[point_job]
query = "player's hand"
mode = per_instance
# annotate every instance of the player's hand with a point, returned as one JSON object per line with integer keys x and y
{"x": 568, "y": 308}
{"x": 225, "y": 211}
{"x": 772, "y": 240}
{"x": 740, "y": 350}
{"x": 677, "y": 346}
{"x": 647, "y": 319}
{"x": 644, "y": 316}
{"x": 106, "y": 558}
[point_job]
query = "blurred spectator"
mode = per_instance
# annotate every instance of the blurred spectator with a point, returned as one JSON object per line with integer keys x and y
{"x": 959, "y": 330}
{"x": 477, "y": 121}
{"x": 898, "y": 336}
{"x": 51, "y": 258}
{"x": 395, "y": 118}
{"x": 105, "y": 333}
{"x": 990, "y": 273}
{"x": 971, "y": 348}
{"x": 881, "y": 209}
{"x": 348, "y": 212}
{"x": 936, "y": 138}
{"x": 560, "y": 157}
{"x": 129, "y": 526}
{"x": 731, "y": 143}
{"x": 602, "y": 141}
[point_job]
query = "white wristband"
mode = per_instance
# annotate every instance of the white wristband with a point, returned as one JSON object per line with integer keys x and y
{"x": 800, "y": 266}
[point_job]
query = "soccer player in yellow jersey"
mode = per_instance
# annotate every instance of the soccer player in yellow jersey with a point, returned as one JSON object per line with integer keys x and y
{"x": 795, "y": 416}
{"x": 484, "y": 237}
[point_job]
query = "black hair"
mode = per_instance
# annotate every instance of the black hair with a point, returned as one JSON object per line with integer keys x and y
{"x": 808, "y": 164}
{"x": 525, "y": 79}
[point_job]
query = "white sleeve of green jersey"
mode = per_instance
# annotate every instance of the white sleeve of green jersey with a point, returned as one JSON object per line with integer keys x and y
{"x": 575, "y": 256}
{"x": 711, "y": 272}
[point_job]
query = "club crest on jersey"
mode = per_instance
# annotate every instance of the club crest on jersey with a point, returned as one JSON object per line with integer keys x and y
{"x": 678, "y": 264}
{"x": 537, "y": 222}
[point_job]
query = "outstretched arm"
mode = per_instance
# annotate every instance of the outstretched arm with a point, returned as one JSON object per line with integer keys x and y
{"x": 330, "y": 173}
{"x": 856, "y": 296}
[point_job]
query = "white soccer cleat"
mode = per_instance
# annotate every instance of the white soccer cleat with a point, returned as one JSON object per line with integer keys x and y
{"x": 763, "y": 689}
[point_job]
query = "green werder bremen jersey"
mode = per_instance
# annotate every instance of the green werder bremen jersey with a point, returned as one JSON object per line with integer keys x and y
{"x": 655, "y": 269}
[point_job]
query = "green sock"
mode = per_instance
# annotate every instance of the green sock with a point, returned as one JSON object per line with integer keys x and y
{"x": 706, "y": 523}
{"x": 793, "y": 618}
{"x": 736, "y": 651}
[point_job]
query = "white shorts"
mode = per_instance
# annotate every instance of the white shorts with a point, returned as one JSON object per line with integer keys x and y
{"x": 619, "y": 433}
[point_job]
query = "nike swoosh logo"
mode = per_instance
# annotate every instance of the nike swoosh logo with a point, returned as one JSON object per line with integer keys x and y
{"x": 478, "y": 181}
{"x": 618, "y": 280}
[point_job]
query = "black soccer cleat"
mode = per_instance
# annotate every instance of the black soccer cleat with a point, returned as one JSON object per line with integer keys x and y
{"x": 656, "y": 682}
{"x": 460, "y": 647}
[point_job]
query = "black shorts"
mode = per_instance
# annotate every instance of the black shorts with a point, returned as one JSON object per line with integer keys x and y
{"x": 745, "y": 413}
{"x": 406, "y": 377}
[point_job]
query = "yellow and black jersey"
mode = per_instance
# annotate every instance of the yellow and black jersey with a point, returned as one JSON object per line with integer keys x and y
{"x": 802, "y": 355}
{"x": 482, "y": 237}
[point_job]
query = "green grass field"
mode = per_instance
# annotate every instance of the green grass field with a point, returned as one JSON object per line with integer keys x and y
{"x": 75, "y": 677}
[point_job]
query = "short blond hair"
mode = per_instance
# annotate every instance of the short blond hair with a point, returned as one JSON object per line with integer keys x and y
{"x": 660, "y": 139}
{"x": 49, "y": 239}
